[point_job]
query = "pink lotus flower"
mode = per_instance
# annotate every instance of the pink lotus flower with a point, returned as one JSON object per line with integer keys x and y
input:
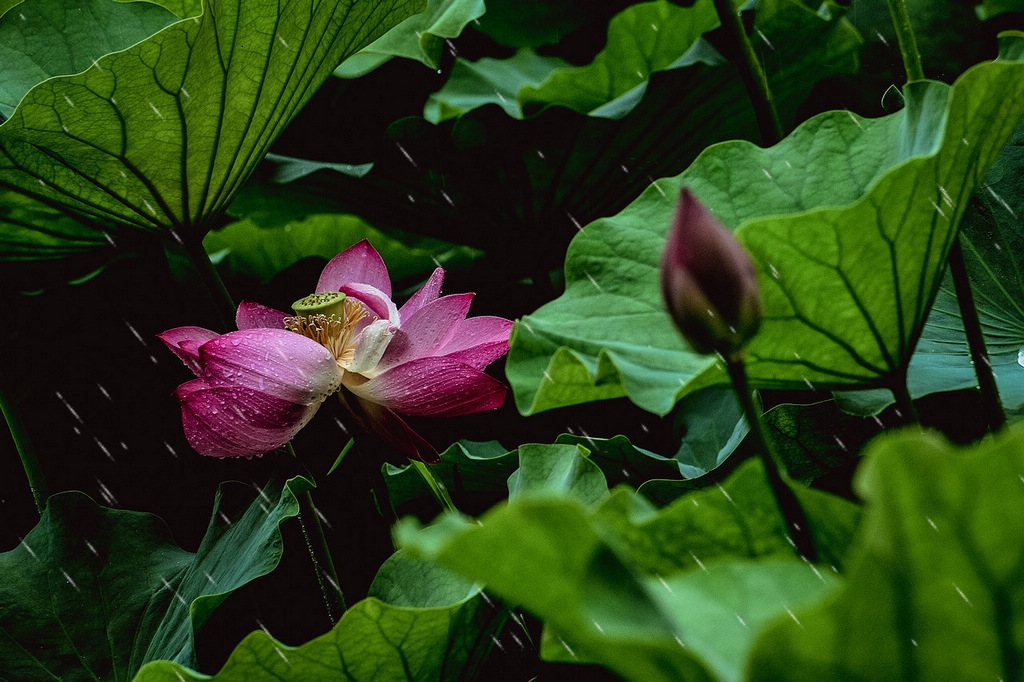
{"x": 260, "y": 385}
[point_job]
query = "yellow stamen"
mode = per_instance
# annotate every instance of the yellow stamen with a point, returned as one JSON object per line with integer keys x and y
{"x": 329, "y": 331}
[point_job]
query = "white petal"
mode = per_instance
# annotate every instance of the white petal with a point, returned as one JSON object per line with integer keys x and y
{"x": 370, "y": 346}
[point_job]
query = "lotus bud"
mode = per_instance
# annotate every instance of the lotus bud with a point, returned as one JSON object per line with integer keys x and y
{"x": 708, "y": 281}
{"x": 327, "y": 303}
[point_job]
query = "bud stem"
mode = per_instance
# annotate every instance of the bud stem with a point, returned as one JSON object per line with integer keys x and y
{"x": 785, "y": 498}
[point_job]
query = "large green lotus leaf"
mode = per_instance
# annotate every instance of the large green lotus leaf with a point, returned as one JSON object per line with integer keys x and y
{"x": 560, "y": 170}
{"x": 562, "y": 563}
{"x": 249, "y": 249}
{"x": 420, "y": 37}
{"x": 420, "y": 622}
{"x": 158, "y": 137}
{"x": 94, "y": 593}
{"x": 992, "y": 240}
{"x": 46, "y": 38}
{"x": 934, "y": 589}
{"x": 642, "y": 39}
{"x": 843, "y": 304}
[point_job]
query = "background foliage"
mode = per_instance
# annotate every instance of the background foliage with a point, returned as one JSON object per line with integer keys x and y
{"x": 534, "y": 151}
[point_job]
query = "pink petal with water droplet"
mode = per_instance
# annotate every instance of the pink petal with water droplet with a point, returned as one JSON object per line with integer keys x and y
{"x": 254, "y": 316}
{"x": 478, "y": 341}
{"x": 358, "y": 264}
{"x": 192, "y": 338}
{"x": 438, "y": 387}
{"x": 236, "y": 421}
{"x": 427, "y": 293}
{"x": 277, "y": 362}
{"x": 427, "y": 330}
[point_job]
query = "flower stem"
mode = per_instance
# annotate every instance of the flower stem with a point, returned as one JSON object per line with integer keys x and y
{"x": 214, "y": 284}
{"x": 785, "y": 498}
{"x": 319, "y": 552}
{"x": 29, "y": 461}
{"x": 992, "y": 404}
{"x": 316, "y": 543}
{"x": 753, "y": 75}
{"x": 436, "y": 486}
{"x": 905, "y": 37}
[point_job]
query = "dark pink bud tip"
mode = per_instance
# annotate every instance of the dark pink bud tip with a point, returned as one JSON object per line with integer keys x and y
{"x": 708, "y": 280}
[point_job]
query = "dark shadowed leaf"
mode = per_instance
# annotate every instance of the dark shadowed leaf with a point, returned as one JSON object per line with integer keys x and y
{"x": 814, "y": 440}
{"x": 642, "y": 39}
{"x": 420, "y": 622}
{"x": 531, "y": 24}
{"x": 94, "y": 593}
{"x": 559, "y": 170}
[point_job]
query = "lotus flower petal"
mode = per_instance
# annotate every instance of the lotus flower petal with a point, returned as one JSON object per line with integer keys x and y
{"x": 276, "y": 362}
{"x": 478, "y": 341}
{"x": 255, "y": 316}
{"x": 438, "y": 387}
{"x": 392, "y": 430}
{"x": 373, "y": 342}
{"x": 358, "y": 264}
{"x": 236, "y": 421}
{"x": 427, "y": 330}
{"x": 379, "y": 304}
{"x": 427, "y": 293}
{"x": 185, "y": 341}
